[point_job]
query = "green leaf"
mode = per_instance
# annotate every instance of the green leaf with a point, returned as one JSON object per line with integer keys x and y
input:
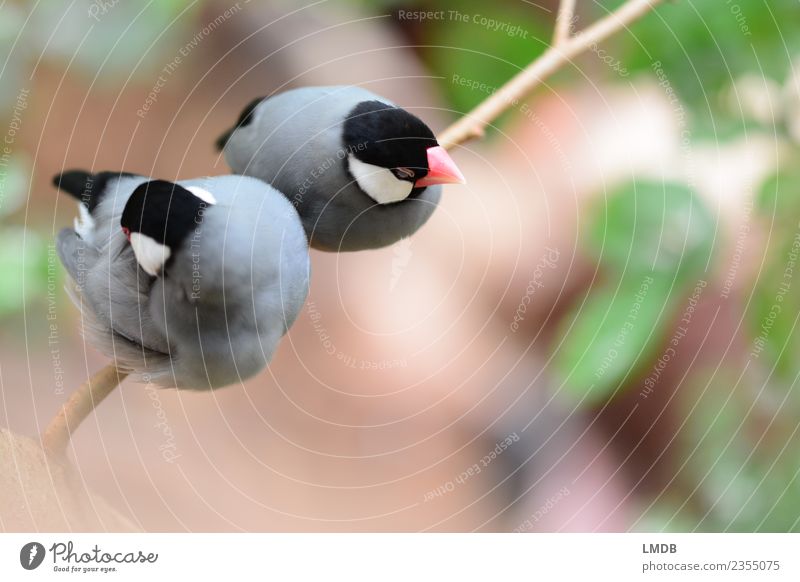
{"x": 617, "y": 330}
{"x": 700, "y": 47}
{"x": 654, "y": 227}
{"x": 653, "y": 240}
{"x": 779, "y": 195}
{"x": 480, "y": 46}
{"x": 773, "y": 317}
{"x": 13, "y": 185}
{"x": 666, "y": 516}
{"x": 23, "y": 268}
{"x": 776, "y": 306}
{"x": 744, "y": 485}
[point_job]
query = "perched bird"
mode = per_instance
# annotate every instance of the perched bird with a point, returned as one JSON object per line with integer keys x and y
{"x": 189, "y": 284}
{"x": 362, "y": 172}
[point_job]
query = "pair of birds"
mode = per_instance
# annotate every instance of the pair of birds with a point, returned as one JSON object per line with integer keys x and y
{"x": 192, "y": 284}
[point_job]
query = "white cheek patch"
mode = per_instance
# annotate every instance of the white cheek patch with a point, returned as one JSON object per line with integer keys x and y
{"x": 380, "y": 184}
{"x": 202, "y": 194}
{"x": 149, "y": 254}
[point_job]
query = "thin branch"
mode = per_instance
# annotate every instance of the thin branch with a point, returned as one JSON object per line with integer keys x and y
{"x": 80, "y": 404}
{"x": 473, "y": 124}
{"x": 563, "y": 30}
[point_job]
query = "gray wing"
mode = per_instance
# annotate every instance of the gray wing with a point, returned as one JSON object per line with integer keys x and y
{"x": 113, "y": 294}
{"x": 110, "y": 291}
{"x": 77, "y": 255}
{"x": 128, "y": 355}
{"x": 118, "y": 291}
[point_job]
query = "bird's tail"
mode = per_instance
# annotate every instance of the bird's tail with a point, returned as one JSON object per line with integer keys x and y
{"x": 86, "y": 187}
{"x": 222, "y": 140}
{"x": 245, "y": 117}
{"x": 74, "y": 182}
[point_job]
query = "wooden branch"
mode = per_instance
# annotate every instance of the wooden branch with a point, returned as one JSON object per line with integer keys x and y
{"x": 563, "y": 30}
{"x": 474, "y": 123}
{"x": 80, "y": 404}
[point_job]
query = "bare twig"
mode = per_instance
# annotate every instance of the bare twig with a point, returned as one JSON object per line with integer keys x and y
{"x": 474, "y": 123}
{"x": 83, "y": 401}
{"x": 563, "y": 30}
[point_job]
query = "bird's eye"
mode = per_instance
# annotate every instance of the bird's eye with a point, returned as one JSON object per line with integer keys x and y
{"x": 127, "y": 232}
{"x": 403, "y": 173}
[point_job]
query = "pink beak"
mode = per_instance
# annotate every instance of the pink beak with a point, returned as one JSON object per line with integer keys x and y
{"x": 441, "y": 169}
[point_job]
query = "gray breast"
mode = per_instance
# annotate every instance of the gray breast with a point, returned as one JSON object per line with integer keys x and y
{"x": 235, "y": 286}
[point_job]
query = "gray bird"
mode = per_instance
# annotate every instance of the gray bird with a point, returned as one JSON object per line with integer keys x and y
{"x": 362, "y": 172}
{"x": 189, "y": 284}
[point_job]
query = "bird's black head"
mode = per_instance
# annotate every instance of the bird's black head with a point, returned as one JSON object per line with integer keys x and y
{"x": 158, "y": 217}
{"x": 389, "y": 137}
{"x": 391, "y": 153}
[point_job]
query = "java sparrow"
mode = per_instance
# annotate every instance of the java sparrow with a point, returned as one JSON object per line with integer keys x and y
{"x": 362, "y": 172}
{"x": 189, "y": 284}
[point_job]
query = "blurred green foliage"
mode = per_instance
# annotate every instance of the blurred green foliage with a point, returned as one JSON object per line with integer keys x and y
{"x": 112, "y": 37}
{"x": 481, "y": 42}
{"x": 102, "y": 39}
{"x": 488, "y": 56}
{"x": 611, "y": 335}
{"x": 702, "y": 47}
{"x": 115, "y": 38}
{"x": 742, "y": 446}
{"x": 740, "y": 460}
{"x": 23, "y": 252}
{"x": 652, "y": 241}
{"x": 662, "y": 229}
{"x": 24, "y": 268}
{"x": 14, "y": 178}
{"x": 775, "y": 309}
{"x": 747, "y": 488}
{"x": 697, "y": 48}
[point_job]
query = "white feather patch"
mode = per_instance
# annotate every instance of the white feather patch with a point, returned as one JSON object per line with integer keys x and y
{"x": 84, "y": 224}
{"x": 380, "y": 184}
{"x": 202, "y": 194}
{"x": 150, "y": 254}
